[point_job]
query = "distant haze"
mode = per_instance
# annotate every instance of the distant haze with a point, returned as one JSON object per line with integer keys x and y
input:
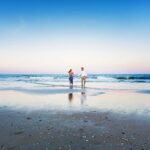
{"x": 52, "y": 36}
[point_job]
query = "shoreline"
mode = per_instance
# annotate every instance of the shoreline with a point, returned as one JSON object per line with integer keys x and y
{"x": 81, "y": 120}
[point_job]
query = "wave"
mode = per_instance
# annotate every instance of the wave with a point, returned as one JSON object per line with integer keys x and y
{"x": 133, "y": 77}
{"x": 34, "y": 78}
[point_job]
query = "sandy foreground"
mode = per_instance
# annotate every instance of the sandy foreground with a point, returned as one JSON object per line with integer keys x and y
{"x": 104, "y": 120}
{"x": 94, "y": 130}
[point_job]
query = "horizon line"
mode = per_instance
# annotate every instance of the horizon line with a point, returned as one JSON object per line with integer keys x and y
{"x": 66, "y": 73}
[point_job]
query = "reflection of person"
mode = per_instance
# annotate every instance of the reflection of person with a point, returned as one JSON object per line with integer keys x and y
{"x": 70, "y": 72}
{"x": 83, "y": 97}
{"x": 83, "y": 77}
{"x": 70, "y": 97}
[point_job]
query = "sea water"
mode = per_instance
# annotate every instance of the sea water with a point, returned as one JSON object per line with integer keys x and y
{"x": 115, "y": 92}
{"x": 60, "y": 81}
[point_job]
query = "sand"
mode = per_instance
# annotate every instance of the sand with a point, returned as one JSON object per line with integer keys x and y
{"x": 73, "y": 131}
{"x": 105, "y": 120}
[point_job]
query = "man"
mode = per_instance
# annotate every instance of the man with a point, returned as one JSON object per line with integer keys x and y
{"x": 83, "y": 77}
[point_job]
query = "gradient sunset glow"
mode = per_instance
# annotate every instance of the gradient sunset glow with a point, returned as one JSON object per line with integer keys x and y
{"x": 51, "y": 36}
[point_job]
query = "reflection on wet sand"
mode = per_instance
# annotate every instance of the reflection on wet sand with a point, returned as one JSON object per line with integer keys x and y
{"x": 118, "y": 101}
{"x": 70, "y": 97}
{"x": 83, "y": 97}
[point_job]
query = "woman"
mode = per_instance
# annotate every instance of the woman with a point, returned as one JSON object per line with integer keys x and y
{"x": 70, "y": 72}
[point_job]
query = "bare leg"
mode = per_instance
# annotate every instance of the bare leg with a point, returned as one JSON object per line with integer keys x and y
{"x": 84, "y": 82}
{"x": 71, "y": 85}
{"x": 81, "y": 81}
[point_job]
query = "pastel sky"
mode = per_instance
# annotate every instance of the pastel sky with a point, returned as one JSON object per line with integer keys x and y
{"x": 51, "y": 36}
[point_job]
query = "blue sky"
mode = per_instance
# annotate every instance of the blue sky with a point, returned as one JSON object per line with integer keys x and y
{"x": 50, "y": 36}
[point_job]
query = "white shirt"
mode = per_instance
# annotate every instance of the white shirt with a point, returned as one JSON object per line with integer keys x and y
{"x": 83, "y": 74}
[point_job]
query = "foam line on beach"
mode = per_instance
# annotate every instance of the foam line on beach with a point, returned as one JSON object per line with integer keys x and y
{"x": 78, "y": 86}
{"x": 58, "y": 89}
{"x": 47, "y": 91}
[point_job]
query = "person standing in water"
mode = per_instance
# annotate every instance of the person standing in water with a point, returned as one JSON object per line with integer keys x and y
{"x": 83, "y": 77}
{"x": 70, "y": 72}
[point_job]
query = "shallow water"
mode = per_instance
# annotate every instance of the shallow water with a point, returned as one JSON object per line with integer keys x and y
{"x": 29, "y": 95}
{"x": 121, "y": 101}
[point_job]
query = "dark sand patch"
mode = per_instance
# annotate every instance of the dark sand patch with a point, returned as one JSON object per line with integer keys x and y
{"x": 92, "y": 130}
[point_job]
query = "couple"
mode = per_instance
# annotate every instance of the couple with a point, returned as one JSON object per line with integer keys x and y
{"x": 83, "y": 76}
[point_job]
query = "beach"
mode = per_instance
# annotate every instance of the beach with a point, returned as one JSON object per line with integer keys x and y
{"x": 74, "y": 74}
{"x": 51, "y": 116}
{"x": 78, "y": 130}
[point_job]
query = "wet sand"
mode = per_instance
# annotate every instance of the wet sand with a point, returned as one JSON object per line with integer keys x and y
{"x": 73, "y": 131}
{"x": 105, "y": 121}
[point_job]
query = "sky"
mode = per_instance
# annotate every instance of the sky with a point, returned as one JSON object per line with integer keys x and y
{"x": 52, "y": 36}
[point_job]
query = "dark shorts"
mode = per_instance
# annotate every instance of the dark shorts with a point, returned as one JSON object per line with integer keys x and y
{"x": 71, "y": 80}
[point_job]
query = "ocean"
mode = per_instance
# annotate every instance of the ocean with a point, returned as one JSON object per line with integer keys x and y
{"x": 33, "y": 78}
{"x": 49, "y": 82}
